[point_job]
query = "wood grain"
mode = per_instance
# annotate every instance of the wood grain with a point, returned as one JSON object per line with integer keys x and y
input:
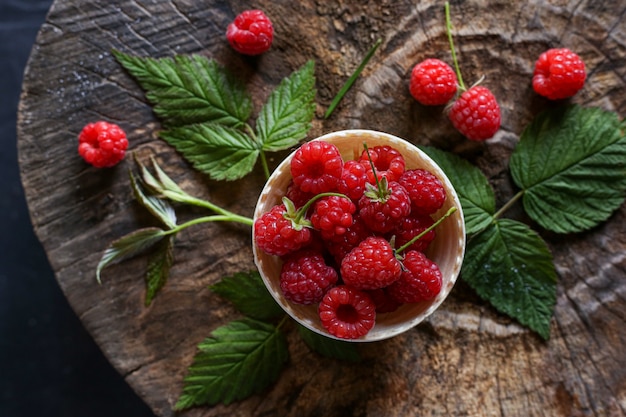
{"x": 466, "y": 360}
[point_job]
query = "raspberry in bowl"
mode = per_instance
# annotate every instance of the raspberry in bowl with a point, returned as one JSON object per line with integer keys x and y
{"x": 353, "y": 273}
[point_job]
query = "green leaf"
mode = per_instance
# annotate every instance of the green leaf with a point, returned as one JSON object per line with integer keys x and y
{"x": 221, "y": 152}
{"x": 249, "y": 295}
{"x": 130, "y": 245}
{"x": 189, "y": 89}
{"x": 157, "y": 207}
{"x": 286, "y": 117}
{"x": 159, "y": 265}
{"x": 571, "y": 164}
{"x": 240, "y": 359}
{"x": 472, "y": 187}
{"x": 330, "y": 348}
{"x": 510, "y": 266}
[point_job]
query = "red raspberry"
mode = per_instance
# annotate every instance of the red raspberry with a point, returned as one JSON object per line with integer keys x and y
{"x": 433, "y": 82}
{"x": 332, "y": 216}
{"x": 382, "y": 209}
{"x": 316, "y": 167}
{"x": 347, "y": 313}
{"x": 340, "y": 245}
{"x": 476, "y": 114}
{"x": 420, "y": 280}
{"x": 559, "y": 73}
{"x": 425, "y": 191}
{"x": 372, "y": 264}
{"x": 389, "y": 163}
{"x": 298, "y": 197}
{"x": 305, "y": 277}
{"x": 102, "y": 144}
{"x": 412, "y": 226}
{"x": 353, "y": 180}
{"x": 251, "y": 33}
{"x": 384, "y": 303}
{"x": 276, "y": 234}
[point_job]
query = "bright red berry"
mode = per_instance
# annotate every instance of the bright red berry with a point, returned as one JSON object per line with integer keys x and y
{"x": 332, "y": 215}
{"x": 425, "y": 190}
{"x": 297, "y": 196}
{"x": 388, "y": 161}
{"x": 372, "y": 264}
{"x": 340, "y": 245}
{"x": 353, "y": 180}
{"x": 305, "y": 277}
{"x": 420, "y": 279}
{"x": 347, "y": 313}
{"x": 383, "y": 207}
{"x": 433, "y": 82}
{"x": 476, "y": 114}
{"x": 102, "y": 144}
{"x": 412, "y": 226}
{"x": 277, "y": 234}
{"x": 251, "y": 33}
{"x": 559, "y": 73}
{"x": 316, "y": 167}
{"x": 384, "y": 303}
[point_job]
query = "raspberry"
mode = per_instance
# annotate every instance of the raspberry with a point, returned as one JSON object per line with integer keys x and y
{"x": 251, "y": 33}
{"x": 389, "y": 163}
{"x": 276, "y": 234}
{"x": 332, "y": 215}
{"x": 316, "y": 167}
{"x": 425, "y": 190}
{"x": 297, "y": 196}
{"x": 476, "y": 114}
{"x": 384, "y": 303}
{"x": 412, "y": 226}
{"x": 383, "y": 208}
{"x": 433, "y": 82}
{"x": 305, "y": 277}
{"x": 102, "y": 144}
{"x": 372, "y": 264}
{"x": 353, "y": 180}
{"x": 347, "y": 313}
{"x": 559, "y": 73}
{"x": 420, "y": 279}
{"x": 340, "y": 245}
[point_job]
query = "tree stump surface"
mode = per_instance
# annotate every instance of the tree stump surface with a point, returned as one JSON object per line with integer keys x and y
{"x": 466, "y": 359}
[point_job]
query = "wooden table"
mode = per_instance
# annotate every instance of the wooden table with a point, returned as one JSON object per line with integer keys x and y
{"x": 467, "y": 359}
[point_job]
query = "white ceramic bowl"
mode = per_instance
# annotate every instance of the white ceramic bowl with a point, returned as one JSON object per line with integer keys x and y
{"x": 446, "y": 250}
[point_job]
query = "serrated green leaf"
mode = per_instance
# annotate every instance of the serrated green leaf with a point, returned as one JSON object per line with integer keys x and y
{"x": 249, "y": 295}
{"x": 330, "y": 348}
{"x": 571, "y": 164}
{"x": 510, "y": 266}
{"x": 475, "y": 194}
{"x": 221, "y": 152}
{"x": 157, "y": 207}
{"x": 189, "y": 89}
{"x": 159, "y": 265}
{"x": 286, "y": 117}
{"x": 130, "y": 245}
{"x": 240, "y": 359}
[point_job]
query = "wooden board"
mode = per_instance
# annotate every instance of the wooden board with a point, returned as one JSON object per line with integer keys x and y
{"x": 467, "y": 359}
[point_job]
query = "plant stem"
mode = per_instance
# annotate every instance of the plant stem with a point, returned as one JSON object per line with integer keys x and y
{"x": 452, "y": 50}
{"x": 229, "y": 214}
{"x": 508, "y": 204}
{"x": 302, "y": 210}
{"x": 252, "y": 135}
{"x": 266, "y": 169}
{"x": 207, "y": 219}
{"x": 437, "y": 223}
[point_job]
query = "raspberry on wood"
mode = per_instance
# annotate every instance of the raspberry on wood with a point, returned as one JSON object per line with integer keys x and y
{"x": 559, "y": 73}
{"x": 251, "y": 33}
{"x": 425, "y": 190}
{"x": 305, "y": 277}
{"x": 102, "y": 144}
{"x": 433, "y": 82}
{"x": 420, "y": 280}
{"x": 316, "y": 167}
{"x": 347, "y": 313}
{"x": 371, "y": 265}
{"x": 476, "y": 114}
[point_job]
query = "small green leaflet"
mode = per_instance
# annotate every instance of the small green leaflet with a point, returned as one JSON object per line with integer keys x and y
{"x": 240, "y": 359}
{"x": 189, "y": 89}
{"x": 157, "y": 207}
{"x": 159, "y": 264}
{"x": 249, "y": 295}
{"x": 472, "y": 187}
{"x": 510, "y": 266}
{"x": 571, "y": 164}
{"x": 330, "y": 348}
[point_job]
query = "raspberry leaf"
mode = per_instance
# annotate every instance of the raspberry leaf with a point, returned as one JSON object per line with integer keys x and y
{"x": 472, "y": 187}
{"x": 510, "y": 266}
{"x": 189, "y": 89}
{"x": 159, "y": 264}
{"x": 286, "y": 117}
{"x": 249, "y": 295}
{"x": 221, "y": 152}
{"x": 329, "y": 348}
{"x": 240, "y": 359}
{"x": 569, "y": 163}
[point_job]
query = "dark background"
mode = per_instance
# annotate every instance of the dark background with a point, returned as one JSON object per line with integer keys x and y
{"x": 49, "y": 365}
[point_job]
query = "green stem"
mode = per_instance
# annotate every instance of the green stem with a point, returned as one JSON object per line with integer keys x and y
{"x": 200, "y": 220}
{"x": 437, "y": 223}
{"x": 508, "y": 204}
{"x": 266, "y": 169}
{"x": 228, "y": 214}
{"x": 252, "y": 135}
{"x": 381, "y": 190}
{"x": 454, "y": 60}
{"x": 302, "y": 210}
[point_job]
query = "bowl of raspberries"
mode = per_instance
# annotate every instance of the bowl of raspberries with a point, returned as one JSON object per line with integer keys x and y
{"x": 358, "y": 235}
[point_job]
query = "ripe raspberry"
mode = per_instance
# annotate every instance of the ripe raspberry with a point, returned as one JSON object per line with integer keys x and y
{"x": 476, "y": 114}
{"x": 433, "y": 82}
{"x": 276, "y": 234}
{"x": 389, "y": 163}
{"x": 347, "y": 313}
{"x": 297, "y": 196}
{"x": 372, "y": 264}
{"x": 305, "y": 277}
{"x": 420, "y": 280}
{"x": 412, "y": 226}
{"x": 332, "y": 215}
{"x": 102, "y": 144}
{"x": 340, "y": 245}
{"x": 559, "y": 73}
{"x": 383, "y": 208}
{"x": 316, "y": 167}
{"x": 425, "y": 191}
{"x": 353, "y": 180}
{"x": 251, "y": 33}
{"x": 384, "y": 303}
